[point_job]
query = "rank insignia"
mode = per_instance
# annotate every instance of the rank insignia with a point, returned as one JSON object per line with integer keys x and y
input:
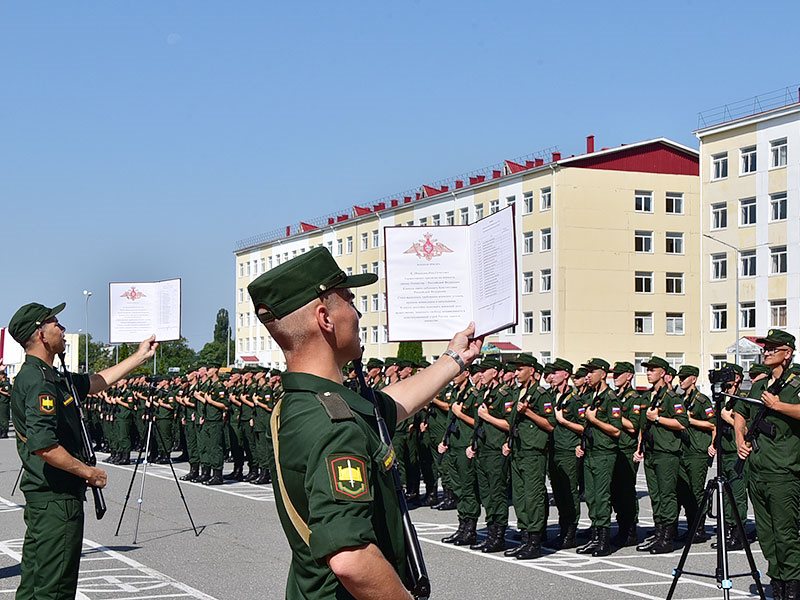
{"x": 69, "y": 401}
{"x": 348, "y": 475}
{"x": 548, "y": 407}
{"x": 508, "y": 406}
{"x": 679, "y": 409}
{"x": 47, "y": 404}
{"x": 616, "y": 412}
{"x": 388, "y": 458}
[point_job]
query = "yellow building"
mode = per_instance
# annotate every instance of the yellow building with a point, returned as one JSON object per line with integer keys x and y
{"x": 749, "y": 173}
{"x": 607, "y": 253}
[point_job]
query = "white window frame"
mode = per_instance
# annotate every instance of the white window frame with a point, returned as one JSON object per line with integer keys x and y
{"x": 545, "y": 321}
{"x": 674, "y": 277}
{"x": 748, "y": 212}
{"x": 545, "y": 280}
{"x": 546, "y": 240}
{"x": 673, "y": 203}
{"x": 748, "y": 263}
{"x": 527, "y": 282}
{"x": 719, "y": 317}
{"x": 778, "y": 200}
{"x": 450, "y": 217}
{"x": 643, "y": 323}
{"x": 373, "y": 334}
{"x": 747, "y": 315}
{"x": 748, "y": 160}
{"x": 675, "y": 324}
{"x": 376, "y": 238}
{"x": 646, "y": 238}
{"x": 676, "y": 238}
{"x": 545, "y": 199}
{"x": 719, "y": 213}
{"x": 643, "y": 282}
{"x": 349, "y": 245}
{"x": 464, "y": 215}
{"x": 364, "y": 241}
{"x": 778, "y": 260}
{"x": 719, "y": 166}
{"x": 778, "y": 153}
{"x": 364, "y": 304}
{"x": 719, "y": 266}
{"x": 479, "y": 211}
{"x": 436, "y": 220}
{"x": 643, "y": 201}
{"x": 375, "y": 303}
{"x": 528, "y": 323}
{"x": 527, "y": 202}
{"x": 527, "y": 242}
{"x": 510, "y": 200}
{"x": 494, "y": 206}
{"x": 778, "y": 313}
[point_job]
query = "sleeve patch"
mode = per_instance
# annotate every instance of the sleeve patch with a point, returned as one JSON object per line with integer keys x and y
{"x": 616, "y": 412}
{"x": 679, "y": 409}
{"x": 47, "y": 404}
{"x": 508, "y": 406}
{"x": 349, "y": 477}
{"x": 548, "y": 407}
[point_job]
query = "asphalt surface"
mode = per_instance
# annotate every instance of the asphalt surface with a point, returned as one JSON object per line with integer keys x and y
{"x": 240, "y": 552}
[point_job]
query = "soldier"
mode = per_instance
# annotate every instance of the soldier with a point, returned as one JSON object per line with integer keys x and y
{"x": 458, "y": 388}
{"x": 694, "y": 460}
{"x": 530, "y": 414}
{"x": 124, "y": 422}
{"x": 189, "y": 422}
{"x": 262, "y": 409}
{"x": 604, "y": 421}
{"x": 164, "y": 404}
{"x": 774, "y": 480}
{"x": 5, "y": 402}
{"x": 212, "y": 435}
{"x": 623, "y": 487}
{"x": 660, "y": 449}
{"x": 406, "y": 445}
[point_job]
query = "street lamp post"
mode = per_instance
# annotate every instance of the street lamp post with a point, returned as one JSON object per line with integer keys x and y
{"x": 88, "y": 295}
{"x": 737, "y": 316}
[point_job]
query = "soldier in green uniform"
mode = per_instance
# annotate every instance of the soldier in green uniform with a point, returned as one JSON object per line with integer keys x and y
{"x": 263, "y": 405}
{"x": 164, "y": 404}
{"x": 333, "y": 482}
{"x": 124, "y": 423}
{"x": 531, "y": 417}
{"x": 660, "y": 449}
{"x": 623, "y": 486}
{"x": 774, "y": 482}
{"x": 189, "y": 422}
{"x": 406, "y": 444}
{"x": 602, "y": 430}
{"x": 432, "y": 428}
{"x": 456, "y": 391}
{"x": 47, "y": 425}
{"x": 696, "y": 439}
{"x": 5, "y": 403}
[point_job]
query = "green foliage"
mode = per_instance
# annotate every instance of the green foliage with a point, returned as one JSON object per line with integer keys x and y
{"x": 99, "y": 356}
{"x": 221, "y": 327}
{"x": 174, "y": 354}
{"x": 214, "y": 353}
{"x": 410, "y": 351}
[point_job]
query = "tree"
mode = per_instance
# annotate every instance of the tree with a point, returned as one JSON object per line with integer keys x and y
{"x": 214, "y": 353}
{"x": 174, "y": 354}
{"x": 410, "y": 351}
{"x": 99, "y": 357}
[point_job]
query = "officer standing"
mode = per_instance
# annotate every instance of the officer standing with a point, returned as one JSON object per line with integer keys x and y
{"x": 333, "y": 481}
{"x": 5, "y": 403}
{"x": 47, "y": 424}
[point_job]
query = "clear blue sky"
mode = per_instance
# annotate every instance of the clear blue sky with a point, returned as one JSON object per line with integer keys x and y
{"x": 141, "y": 140}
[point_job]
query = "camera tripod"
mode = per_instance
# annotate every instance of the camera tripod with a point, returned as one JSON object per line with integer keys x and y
{"x": 145, "y": 450}
{"x": 718, "y": 489}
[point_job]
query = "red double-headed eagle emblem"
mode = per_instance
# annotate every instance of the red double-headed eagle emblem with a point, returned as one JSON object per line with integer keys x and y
{"x": 428, "y": 248}
{"x": 133, "y": 294}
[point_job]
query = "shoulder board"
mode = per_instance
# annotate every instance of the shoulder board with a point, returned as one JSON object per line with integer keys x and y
{"x": 540, "y": 389}
{"x": 335, "y": 406}
{"x": 49, "y": 375}
{"x": 629, "y": 393}
{"x": 793, "y": 381}
{"x": 503, "y": 391}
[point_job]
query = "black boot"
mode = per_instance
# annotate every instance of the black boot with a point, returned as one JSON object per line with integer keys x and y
{"x": 516, "y": 550}
{"x": 449, "y": 502}
{"x": 485, "y": 542}
{"x": 650, "y": 540}
{"x": 468, "y": 535}
{"x": 235, "y": 475}
{"x": 216, "y": 479}
{"x": 567, "y": 538}
{"x": 735, "y": 542}
{"x": 791, "y": 589}
{"x": 497, "y": 542}
{"x": 603, "y": 547}
{"x": 262, "y": 479}
{"x": 431, "y": 498}
{"x": 664, "y": 542}
{"x": 205, "y": 475}
{"x": 124, "y": 458}
{"x": 590, "y": 546}
{"x": 450, "y": 539}
{"x": 626, "y": 535}
{"x": 532, "y": 549}
{"x": 778, "y": 589}
{"x": 193, "y": 473}
{"x": 253, "y": 474}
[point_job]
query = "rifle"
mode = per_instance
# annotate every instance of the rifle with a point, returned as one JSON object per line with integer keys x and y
{"x": 86, "y": 441}
{"x": 646, "y": 435}
{"x": 513, "y": 431}
{"x": 760, "y": 424}
{"x": 420, "y": 582}
{"x": 587, "y": 437}
{"x": 478, "y": 433}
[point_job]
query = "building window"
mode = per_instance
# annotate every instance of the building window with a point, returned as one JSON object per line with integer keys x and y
{"x": 747, "y": 315}
{"x": 674, "y": 204}
{"x": 747, "y": 212}
{"x": 362, "y": 335}
{"x": 450, "y": 217}
{"x": 248, "y": 267}
{"x": 527, "y": 242}
{"x": 269, "y": 259}
{"x": 339, "y": 247}
{"x": 719, "y": 215}
{"x": 545, "y": 199}
{"x": 643, "y": 201}
{"x": 510, "y": 200}
{"x": 747, "y": 164}
{"x": 376, "y": 238}
{"x": 527, "y": 200}
{"x": 674, "y": 283}
{"x": 643, "y": 322}
{"x": 363, "y": 304}
{"x": 747, "y": 264}
{"x": 719, "y": 266}
{"x": 494, "y": 206}
{"x": 527, "y": 320}
{"x": 777, "y": 206}
{"x": 364, "y": 241}
{"x": 777, "y": 153}
{"x": 777, "y": 260}
{"x": 674, "y": 323}
{"x": 375, "y": 269}
{"x": 374, "y": 334}
{"x": 364, "y": 269}
{"x": 464, "y": 213}
{"x": 375, "y": 303}
{"x": 263, "y": 343}
{"x": 241, "y": 295}
{"x": 436, "y": 220}
{"x": 718, "y": 361}
{"x": 545, "y": 357}
{"x": 643, "y": 282}
{"x": 546, "y": 241}
{"x": 719, "y": 317}
{"x": 349, "y": 244}
{"x": 349, "y": 271}
{"x": 241, "y": 269}
{"x": 675, "y": 359}
{"x": 545, "y": 280}
{"x": 719, "y": 166}
{"x": 479, "y": 211}
{"x": 777, "y": 313}
{"x": 423, "y": 221}
{"x": 546, "y": 324}
{"x": 639, "y": 358}
{"x": 527, "y": 282}
{"x": 643, "y": 241}
{"x": 384, "y": 334}
{"x": 674, "y": 242}
{"x": 241, "y": 319}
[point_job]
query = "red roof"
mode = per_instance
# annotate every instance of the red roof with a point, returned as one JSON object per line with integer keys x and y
{"x": 506, "y": 346}
{"x": 651, "y": 157}
{"x": 250, "y": 359}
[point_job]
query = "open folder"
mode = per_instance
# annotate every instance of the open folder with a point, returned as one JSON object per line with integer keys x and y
{"x": 440, "y": 278}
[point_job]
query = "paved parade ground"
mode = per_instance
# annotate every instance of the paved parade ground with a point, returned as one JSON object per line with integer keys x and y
{"x": 241, "y": 554}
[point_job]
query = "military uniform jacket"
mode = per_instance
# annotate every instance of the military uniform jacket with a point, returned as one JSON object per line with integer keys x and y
{"x": 669, "y": 405}
{"x": 608, "y": 411}
{"x": 463, "y": 435}
{"x": 630, "y": 405}
{"x": 776, "y": 459}
{"x": 218, "y": 393}
{"x": 45, "y": 414}
{"x": 529, "y": 435}
{"x": 337, "y": 474}
{"x": 261, "y": 415}
{"x": 573, "y": 409}
{"x": 695, "y": 441}
{"x": 495, "y": 401}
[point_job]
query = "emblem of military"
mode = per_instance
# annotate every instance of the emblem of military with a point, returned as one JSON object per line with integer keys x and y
{"x": 133, "y": 294}
{"x": 349, "y": 477}
{"x": 428, "y": 248}
{"x": 47, "y": 404}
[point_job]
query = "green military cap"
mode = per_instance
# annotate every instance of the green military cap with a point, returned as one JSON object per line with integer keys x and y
{"x": 423, "y": 364}
{"x": 560, "y": 364}
{"x": 762, "y": 369}
{"x": 404, "y": 364}
{"x": 596, "y": 363}
{"x": 656, "y": 362}
{"x": 688, "y": 371}
{"x": 671, "y": 371}
{"x": 581, "y": 372}
{"x": 548, "y": 368}
{"x": 735, "y": 367}
{"x": 490, "y": 363}
{"x": 274, "y": 372}
{"x": 474, "y": 368}
{"x": 29, "y": 318}
{"x": 622, "y": 366}
{"x": 509, "y": 367}
{"x": 526, "y": 360}
{"x": 295, "y": 283}
{"x": 374, "y": 362}
{"x": 389, "y": 361}
{"x": 777, "y": 337}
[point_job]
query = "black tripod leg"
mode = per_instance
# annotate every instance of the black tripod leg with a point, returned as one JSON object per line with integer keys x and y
{"x": 130, "y": 487}
{"x": 175, "y": 477}
{"x": 710, "y": 489}
{"x": 19, "y": 477}
{"x": 740, "y": 528}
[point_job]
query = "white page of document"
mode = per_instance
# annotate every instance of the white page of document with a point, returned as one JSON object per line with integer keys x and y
{"x": 139, "y": 310}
